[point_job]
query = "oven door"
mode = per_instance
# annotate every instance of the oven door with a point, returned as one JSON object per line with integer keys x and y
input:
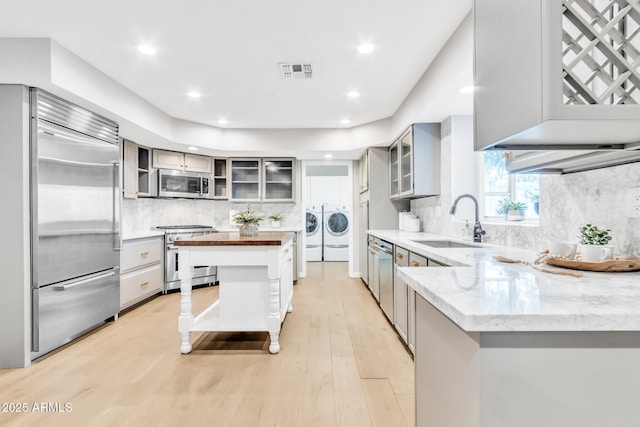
{"x": 183, "y": 184}
{"x": 202, "y": 274}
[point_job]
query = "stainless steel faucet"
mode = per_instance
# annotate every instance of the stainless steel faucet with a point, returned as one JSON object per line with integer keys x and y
{"x": 478, "y": 232}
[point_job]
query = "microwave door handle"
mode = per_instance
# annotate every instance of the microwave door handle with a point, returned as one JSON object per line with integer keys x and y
{"x": 201, "y": 187}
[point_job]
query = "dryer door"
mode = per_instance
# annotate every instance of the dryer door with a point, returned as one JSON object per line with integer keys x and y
{"x": 313, "y": 224}
{"x": 337, "y": 224}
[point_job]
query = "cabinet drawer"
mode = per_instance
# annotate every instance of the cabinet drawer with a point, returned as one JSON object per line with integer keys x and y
{"x": 416, "y": 260}
{"x": 140, "y": 283}
{"x": 402, "y": 257}
{"x": 141, "y": 252}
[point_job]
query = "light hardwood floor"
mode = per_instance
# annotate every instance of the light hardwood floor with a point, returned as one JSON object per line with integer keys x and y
{"x": 340, "y": 364}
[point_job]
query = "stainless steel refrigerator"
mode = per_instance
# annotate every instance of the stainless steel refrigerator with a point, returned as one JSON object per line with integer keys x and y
{"x": 75, "y": 209}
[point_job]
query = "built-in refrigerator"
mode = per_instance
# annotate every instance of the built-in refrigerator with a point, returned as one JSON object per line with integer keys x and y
{"x": 75, "y": 217}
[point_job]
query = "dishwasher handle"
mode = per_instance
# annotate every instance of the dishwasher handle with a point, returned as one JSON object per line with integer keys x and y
{"x": 381, "y": 249}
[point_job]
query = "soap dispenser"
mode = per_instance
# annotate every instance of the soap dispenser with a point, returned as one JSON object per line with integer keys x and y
{"x": 467, "y": 231}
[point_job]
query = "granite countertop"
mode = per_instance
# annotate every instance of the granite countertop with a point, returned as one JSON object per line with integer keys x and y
{"x": 481, "y": 294}
{"x": 267, "y": 238}
{"x": 232, "y": 229}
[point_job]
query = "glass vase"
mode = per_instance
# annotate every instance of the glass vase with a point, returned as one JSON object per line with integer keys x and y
{"x": 249, "y": 229}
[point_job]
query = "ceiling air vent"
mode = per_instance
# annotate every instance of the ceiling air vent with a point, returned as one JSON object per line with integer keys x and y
{"x": 300, "y": 70}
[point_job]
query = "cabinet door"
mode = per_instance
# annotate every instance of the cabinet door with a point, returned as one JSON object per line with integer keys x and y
{"x": 406, "y": 162}
{"x": 278, "y": 178}
{"x": 130, "y": 170}
{"x": 411, "y": 320}
{"x": 394, "y": 169}
{"x": 168, "y": 160}
{"x": 197, "y": 163}
{"x": 245, "y": 180}
{"x": 400, "y": 294}
{"x": 364, "y": 172}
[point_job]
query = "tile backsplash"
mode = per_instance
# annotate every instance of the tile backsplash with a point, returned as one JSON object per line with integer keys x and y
{"x": 567, "y": 202}
{"x": 145, "y": 213}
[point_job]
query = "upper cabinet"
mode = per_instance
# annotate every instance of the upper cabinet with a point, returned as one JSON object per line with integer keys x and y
{"x": 136, "y": 171}
{"x": 278, "y": 178}
{"x": 364, "y": 171}
{"x": 557, "y": 74}
{"x": 246, "y": 180}
{"x": 220, "y": 179}
{"x": 262, "y": 180}
{"x": 163, "y": 159}
{"x": 414, "y": 162}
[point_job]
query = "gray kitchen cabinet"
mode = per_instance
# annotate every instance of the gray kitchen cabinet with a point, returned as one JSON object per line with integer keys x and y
{"x": 364, "y": 171}
{"x": 400, "y": 294}
{"x": 262, "y": 180}
{"x": 377, "y": 210}
{"x": 415, "y": 260}
{"x": 414, "y": 160}
{"x": 246, "y": 180}
{"x": 554, "y": 75}
{"x": 164, "y": 159}
{"x": 136, "y": 171}
{"x": 278, "y": 177}
{"x": 220, "y": 179}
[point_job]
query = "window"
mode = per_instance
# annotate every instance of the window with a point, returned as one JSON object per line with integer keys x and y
{"x": 498, "y": 184}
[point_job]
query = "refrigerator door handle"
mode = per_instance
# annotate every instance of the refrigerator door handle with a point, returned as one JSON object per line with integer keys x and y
{"x": 82, "y": 282}
{"x": 117, "y": 227}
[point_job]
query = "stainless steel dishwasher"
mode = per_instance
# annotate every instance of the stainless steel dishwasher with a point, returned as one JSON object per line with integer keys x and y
{"x": 383, "y": 271}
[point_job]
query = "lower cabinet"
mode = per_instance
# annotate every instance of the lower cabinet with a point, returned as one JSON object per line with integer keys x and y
{"x": 400, "y": 293}
{"x": 142, "y": 274}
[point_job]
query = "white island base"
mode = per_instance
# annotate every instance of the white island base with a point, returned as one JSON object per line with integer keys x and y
{"x": 524, "y": 379}
{"x": 255, "y": 294}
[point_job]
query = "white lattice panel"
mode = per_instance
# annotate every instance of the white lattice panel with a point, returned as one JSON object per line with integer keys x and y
{"x": 601, "y": 51}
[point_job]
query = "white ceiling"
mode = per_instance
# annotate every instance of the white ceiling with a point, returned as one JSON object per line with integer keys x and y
{"x": 229, "y": 51}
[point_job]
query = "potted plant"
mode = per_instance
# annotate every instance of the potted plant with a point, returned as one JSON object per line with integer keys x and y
{"x": 275, "y": 219}
{"x": 248, "y": 221}
{"x": 593, "y": 241}
{"x": 513, "y": 211}
{"x": 534, "y": 198}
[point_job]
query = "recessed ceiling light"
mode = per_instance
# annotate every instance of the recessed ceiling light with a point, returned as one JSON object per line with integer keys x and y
{"x": 353, "y": 94}
{"x": 466, "y": 89}
{"x": 223, "y": 121}
{"x": 194, "y": 95}
{"x": 345, "y": 121}
{"x": 365, "y": 48}
{"x": 146, "y": 49}
{"x": 192, "y": 148}
{"x": 328, "y": 156}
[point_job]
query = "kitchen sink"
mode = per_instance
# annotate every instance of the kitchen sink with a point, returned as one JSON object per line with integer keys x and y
{"x": 445, "y": 244}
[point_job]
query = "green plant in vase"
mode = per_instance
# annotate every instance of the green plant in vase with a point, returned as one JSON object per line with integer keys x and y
{"x": 248, "y": 221}
{"x": 275, "y": 219}
{"x": 513, "y": 211}
{"x": 593, "y": 241}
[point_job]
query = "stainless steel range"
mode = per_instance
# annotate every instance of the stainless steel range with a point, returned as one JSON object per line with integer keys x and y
{"x": 203, "y": 274}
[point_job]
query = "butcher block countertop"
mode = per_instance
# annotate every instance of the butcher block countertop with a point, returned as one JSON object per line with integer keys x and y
{"x": 268, "y": 238}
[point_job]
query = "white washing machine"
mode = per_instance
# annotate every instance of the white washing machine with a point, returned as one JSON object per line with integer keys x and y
{"x": 336, "y": 233}
{"x": 314, "y": 233}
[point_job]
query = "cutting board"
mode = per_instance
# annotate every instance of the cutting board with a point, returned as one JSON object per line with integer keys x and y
{"x": 610, "y": 265}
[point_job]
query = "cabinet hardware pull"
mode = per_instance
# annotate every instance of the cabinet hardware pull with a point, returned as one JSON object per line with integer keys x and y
{"x": 143, "y": 284}
{"x": 414, "y": 264}
{"x": 145, "y": 253}
{"x": 399, "y": 256}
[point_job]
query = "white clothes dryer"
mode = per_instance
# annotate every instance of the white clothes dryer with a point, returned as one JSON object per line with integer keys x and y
{"x": 314, "y": 233}
{"x": 336, "y": 233}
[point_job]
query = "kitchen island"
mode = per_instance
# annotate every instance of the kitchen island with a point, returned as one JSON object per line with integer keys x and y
{"x": 255, "y": 278}
{"x": 505, "y": 345}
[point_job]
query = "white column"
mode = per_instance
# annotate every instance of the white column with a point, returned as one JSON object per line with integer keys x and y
{"x": 185, "y": 321}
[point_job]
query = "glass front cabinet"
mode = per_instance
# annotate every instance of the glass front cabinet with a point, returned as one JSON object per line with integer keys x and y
{"x": 278, "y": 178}
{"x": 262, "y": 180}
{"x": 414, "y": 162}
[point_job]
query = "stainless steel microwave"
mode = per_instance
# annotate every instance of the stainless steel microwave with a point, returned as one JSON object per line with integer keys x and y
{"x": 191, "y": 185}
